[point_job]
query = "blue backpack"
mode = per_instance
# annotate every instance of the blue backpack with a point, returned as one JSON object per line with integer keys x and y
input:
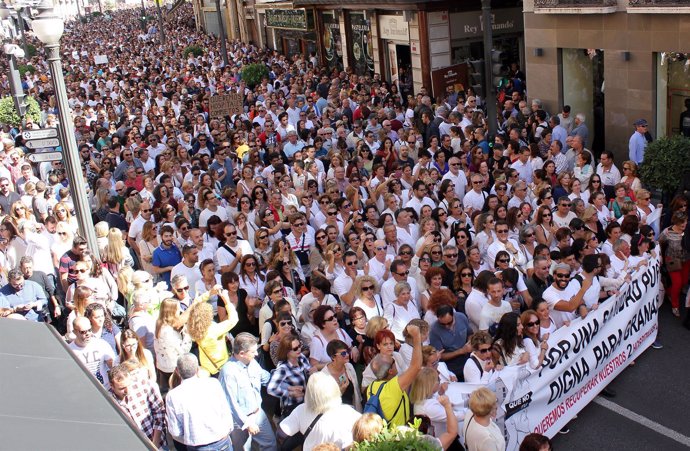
{"x": 373, "y": 404}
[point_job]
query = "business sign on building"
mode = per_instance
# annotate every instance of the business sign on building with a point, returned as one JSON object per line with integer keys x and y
{"x": 469, "y": 24}
{"x": 455, "y": 76}
{"x": 394, "y": 28}
{"x": 289, "y": 19}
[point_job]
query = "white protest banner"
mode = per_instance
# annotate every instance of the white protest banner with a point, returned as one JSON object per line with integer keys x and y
{"x": 100, "y": 59}
{"x": 581, "y": 360}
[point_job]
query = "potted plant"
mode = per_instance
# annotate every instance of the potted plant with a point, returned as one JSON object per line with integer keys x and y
{"x": 666, "y": 165}
{"x": 399, "y": 439}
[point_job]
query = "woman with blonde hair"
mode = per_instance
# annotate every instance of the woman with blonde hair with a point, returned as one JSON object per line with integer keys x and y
{"x": 78, "y": 304}
{"x": 367, "y": 297}
{"x": 147, "y": 244}
{"x": 480, "y": 430}
{"x": 116, "y": 255}
{"x": 427, "y": 395}
{"x": 63, "y": 213}
{"x": 62, "y": 242}
{"x": 630, "y": 178}
{"x": 102, "y": 230}
{"x": 19, "y": 212}
{"x": 337, "y": 419}
{"x": 132, "y": 349}
{"x": 171, "y": 340}
{"x": 209, "y": 335}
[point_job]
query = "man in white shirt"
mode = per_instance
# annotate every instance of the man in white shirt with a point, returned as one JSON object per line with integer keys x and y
{"x": 212, "y": 209}
{"x": 95, "y": 353}
{"x": 230, "y": 253}
{"x": 155, "y": 146}
{"x": 493, "y": 310}
{"x": 408, "y": 233}
{"x": 143, "y": 215}
{"x": 474, "y": 199}
{"x": 503, "y": 243}
{"x": 419, "y": 191}
{"x": 608, "y": 172}
{"x": 399, "y": 273}
{"x": 563, "y": 215}
{"x": 187, "y": 268}
{"x": 379, "y": 266}
{"x": 344, "y": 284}
{"x": 519, "y": 194}
{"x": 457, "y": 176}
{"x": 523, "y": 166}
{"x": 563, "y": 299}
{"x": 197, "y": 412}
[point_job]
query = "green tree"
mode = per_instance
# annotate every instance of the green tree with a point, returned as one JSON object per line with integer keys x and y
{"x": 194, "y": 50}
{"x": 253, "y": 73}
{"x": 666, "y": 161}
{"x": 9, "y": 114}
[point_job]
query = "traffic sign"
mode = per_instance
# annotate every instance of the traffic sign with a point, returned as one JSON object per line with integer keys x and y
{"x": 45, "y": 156}
{"x": 41, "y": 143}
{"x": 42, "y": 133}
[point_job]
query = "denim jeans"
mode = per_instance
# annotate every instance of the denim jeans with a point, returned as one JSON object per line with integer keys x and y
{"x": 265, "y": 439}
{"x": 221, "y": 445}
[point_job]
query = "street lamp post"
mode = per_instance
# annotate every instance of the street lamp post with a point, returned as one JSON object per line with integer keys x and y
{"x": 48, "y": 28}
{"x": 221, "y": 35}
{"x": 14, "y": 76}
{"x": 490, "y": 89}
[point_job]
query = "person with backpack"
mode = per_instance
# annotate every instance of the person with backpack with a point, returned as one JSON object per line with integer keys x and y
{"x": 387, "y": 395}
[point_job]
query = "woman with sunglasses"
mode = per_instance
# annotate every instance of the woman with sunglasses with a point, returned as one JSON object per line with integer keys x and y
{"x": 344, "y": 373}
{"x": 479, "y": 367}
{"x": 288, "y": 381}
{"x": 534, "y": 341}
{"x": 328, "y": 329}
{"x": 133, "y": 349}
{"x": 593, "y": 186}
{"x": 335, "y": 265}
{"x": 366, "y": 297}
{"x": 464, "y": 278}
{"x": 544, "y": 227}
{"x": 484, "y": 226}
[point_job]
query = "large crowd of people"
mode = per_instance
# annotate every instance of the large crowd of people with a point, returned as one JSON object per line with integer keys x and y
{"x": 332, "y": 257}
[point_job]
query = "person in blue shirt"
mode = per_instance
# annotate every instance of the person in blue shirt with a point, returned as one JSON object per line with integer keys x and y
{"x": 22, "y": 297}
{"x": 638, "y": 143}
{"x": 167, "y": 255}
{"x": 223, "y": 165}
{"x": 242, "y": 378}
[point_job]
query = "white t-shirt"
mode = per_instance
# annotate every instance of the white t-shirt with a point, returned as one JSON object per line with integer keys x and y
{"x": 552, "y": 296}
{"x": 492, "y": 314}
{"x": 206, "y": 213}
{"x": 95, "y": 355}
{"x": 192, "y": 274}
{"x": 334, "y": 426}
{"x": 225, "y": 258}
{"x": 473, "y": 308}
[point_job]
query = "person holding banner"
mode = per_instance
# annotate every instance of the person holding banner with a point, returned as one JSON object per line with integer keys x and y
{"x": 479, "y": 366}
{"x": 535, "y": 343}
{"x": 562, "y": 298}
{"x": 676, "y": 258}
{"x": 480, "y": 430}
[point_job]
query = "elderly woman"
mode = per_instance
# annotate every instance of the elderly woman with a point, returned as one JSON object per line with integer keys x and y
{"x": 321, "y": 292}
{"x": 323, "y": 414}
{"x": 344, "y": 373}
{"x": 480, "y": 429}
{"x": 402, "y": 310}
{"x": 209, "y": 335}
{"x": 328, "y": 329}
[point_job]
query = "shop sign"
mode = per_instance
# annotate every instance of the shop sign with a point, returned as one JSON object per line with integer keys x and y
{"x": 331, "y": 40}
{"x": 394, "y": 28}
{"x": 362, "y": 44}
{"x": 469, "y": 24}
{"x": 455, "y": 76}
{"x": 289, "y": 19}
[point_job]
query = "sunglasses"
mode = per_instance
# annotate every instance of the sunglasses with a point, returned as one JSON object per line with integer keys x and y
{"x": 504, "y": 260}
{"x": 297, "y": 349}
{"x": 466, "y": 274}
{"x": 484, "y": 351}
{"x": 532, "y": 323}
{"x": 370, "y": 287}
{"x": 286, "y": 323}
{"x": 330, "y": 318}
{"x": 343, "y": 353}
{"x": 182, "y": 289}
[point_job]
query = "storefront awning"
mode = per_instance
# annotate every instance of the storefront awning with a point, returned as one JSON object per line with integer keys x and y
{"x": 368, "y": 3}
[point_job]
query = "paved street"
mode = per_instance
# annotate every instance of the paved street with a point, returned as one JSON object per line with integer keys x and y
{"x": 654, "y": 388}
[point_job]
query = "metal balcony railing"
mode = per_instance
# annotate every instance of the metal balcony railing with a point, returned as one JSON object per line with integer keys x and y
{"x": 579, "y": 3}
